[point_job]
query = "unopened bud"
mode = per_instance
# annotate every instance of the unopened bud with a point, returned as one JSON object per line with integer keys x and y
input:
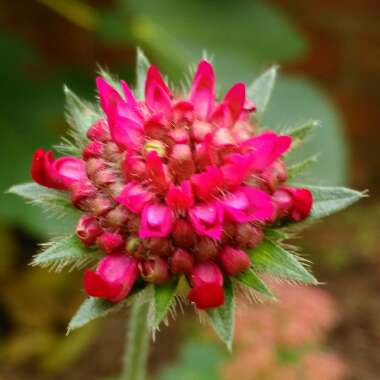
{"x": 283, "y": 202}
{"x": 93, "y": 165}
{"x": 183, "y": 234}
{"x": 155, "y": 269}
{"x": 158, "y": 246}
{"x": 112, "y": 152}
{"x": 81, "y": 191}
{"x": 104, "y": 177}
{"x": 206, "y": 249}
{"x": 181, "y": 162}
{"x": 99, "y": 131}
{"x": 233, "y": 260}
{"x": 274, "y": 176}
{"x": 182, "y": 262}
{"x": 134, "y": 167}
{"x": 110, "y": 242}
{"x": 117, "y": 217}
{"x": 100, "y": 205}
{"x": 249, "y": 236}
{"x": 200, "y": 129}
{"x": 93, "y": 149}
{"x": 88, "y": 229}
{"x": 135, "y": 247}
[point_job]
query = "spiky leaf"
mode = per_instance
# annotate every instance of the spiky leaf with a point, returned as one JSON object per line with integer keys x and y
{"x": 298, "y": 168}
{"x": 222, "y": 318}
{"x": 261, "y": 89}
{"x": 42, "y": 196}
{"x": 64, "y": 252}
{"x": 271, "y": 258}
{"x": 249, "y": 278}
{"x": 164, "y": 295}
{"x": 142, "y": 65}
{"x": 92, "y": 308}
{"x": 301, "y": 132}
{"x": 328, "y": 200}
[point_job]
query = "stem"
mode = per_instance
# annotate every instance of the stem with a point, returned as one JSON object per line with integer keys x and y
{"x": 137, "y": 343}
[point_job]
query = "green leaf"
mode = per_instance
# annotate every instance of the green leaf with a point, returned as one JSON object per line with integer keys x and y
{"x": 250, "y": 279}
{"x": 42, "y": 196}
{"x": 276, "y": 234}
{"x": 80, "y": 115}
{"x": 271, "y": 258}
{"x": 298, "y": 168}
{"x": 328, "y": 200}
{"x": 64, "y": 252}
{"x": 142, "y": 65}
{"x": 92, "y": 308}
{"x": 164, "y": 295}
{"x": 261, "y": 89}
{"x": 111, "y": 79}
{"x": 301, "y": 132}
{"x": 222, "y": 318}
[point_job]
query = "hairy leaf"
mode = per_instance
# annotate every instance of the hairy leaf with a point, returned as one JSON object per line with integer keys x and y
{"x": 328, "y": 200}
{"x": 250, "y": 279}
{"x": 271, "y": 258}
{"x": 142, "y": 65}
{"x": 64, "y": 252}
{"x": 261, "y": 89}
{"x": 222, "y": 318}
{"x": 298, "y": 168}
{"x": 164, "y": 295}
{"x": 301, "y": 132}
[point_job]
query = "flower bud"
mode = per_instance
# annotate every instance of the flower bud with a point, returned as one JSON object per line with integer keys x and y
{"x": 113, "y": 278}
{"x": 182, "y": 262}
{"x": 283, "y": 202}
{"x": 135, "y": 247}
{"x": 92, "y": 150}
{"x": 94, "y": 165}
{"x": 249, "y": 236}
{"x": 234, "y": 261}
{"x": 104, "y": 177}
{"x": 179, "y": 135}
{"x": 99, "y": 131}
{"x": 181, "y": 162}
{"x": 274, "y": 176}
{"x": 158, "y": 246}
{"x": 207, "y": 282}
{"x": 206, "y": 249}
{"x": 112, "y": 152}
{"x": 155, "y": 269}
{"x": 200, "y": 129}
{"x": 183, "y": 234}
{"x": 134, "y": 167}
{"x": 117, "y": 217}
{"x": 81, "y": 191}
{"x": 88, "y": 229}
{"x": 156, "y": 221}
{"x": 110, "y": 242}
{"x": 100, "y": 205}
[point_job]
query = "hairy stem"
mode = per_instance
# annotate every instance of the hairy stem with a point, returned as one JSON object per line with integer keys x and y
{"x": 137, "y": 342}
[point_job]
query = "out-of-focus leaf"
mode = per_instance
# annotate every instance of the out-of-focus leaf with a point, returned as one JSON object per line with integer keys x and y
{"x": 164, "y": 296}
{"x": 261, "y": 89}
{"x": 197, "y": 361}
{"x": 222, "y": 318}
{"x": 299, "y": 168}
{"x": 301, "y": 132}
{"x": 329, "y": 200}
{"x": 142, "y": 65}
{"x": 296, "y": 99}
{"x": 271, "y": 258}
{"x": 250, "y": 279}
{"x": 65, "y": 252}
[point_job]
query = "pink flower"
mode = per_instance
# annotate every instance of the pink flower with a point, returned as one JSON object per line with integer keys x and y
{"x": 180, "y": 197}
{"x": 207, "y": 183}
{"x": 113, "y": 278}
{"x": 134, "y": 197}
{"x": 248, "y": 204}
{"x": 234, "y": 261}
{"x": 202, "y": 92}
{"x": 207, "y": 282}
{"x": 59, "y": 173}
{"x": 293, "y": 202}
{"x": 156, "y": 221}
{"x": 207, "y": 219}
{"x": 266, "y": 148}
{"x": 110, "y": 242}
{"x": 88, "y": 229}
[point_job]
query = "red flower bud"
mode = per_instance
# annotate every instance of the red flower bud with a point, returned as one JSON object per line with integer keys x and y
{"x": 155, "y": 269}
{"x": 99, "y": 131}
{"x": 93, "y": 149}
{"x": 110, "y": 242}
{"x": 94, "y": 165}
{"x": 249, "y": 236}
{"x": 234, "y": 261}
{"x": 181, "y": 162}
{"x": 117, "y": 217}
{"x": 159, "y": 246}
{"x": 183, "y": 233}
{"x": 113, "y": 279}
{"x": 88, "y": 229}
{"x": 182, "y": 262}
{"x": 100, "y": 205}
{"x": 81, "y": 191}
{"x": 207, "y": 281}
{"x": 274, "y": 175}
{"x": 206, "y": 249}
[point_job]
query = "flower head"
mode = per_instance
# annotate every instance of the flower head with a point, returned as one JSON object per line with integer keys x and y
{"x": 174, "y": 184}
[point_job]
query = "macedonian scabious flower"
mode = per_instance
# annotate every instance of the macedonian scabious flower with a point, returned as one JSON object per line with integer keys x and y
{"x": 178, "y": 184}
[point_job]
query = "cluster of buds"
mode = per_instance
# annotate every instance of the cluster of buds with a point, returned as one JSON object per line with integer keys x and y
{"x": 174, "y": 185}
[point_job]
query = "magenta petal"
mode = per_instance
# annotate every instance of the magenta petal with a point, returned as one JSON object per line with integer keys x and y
{"x": 207, "y": 219}
{"x": 154, "y": 76}
{"x": 158, "y": 100}
{"x": 127, "y": 134}
{"x": 266, "y": 148}
{"x": 206, "y": 272}
{"x": 109, "y": 97}
{"x": 202, "y": 92}
{"x": 249, "y": 204}
{"x": 128, "y": 94}
{"x": 156, "y": 221}
{"x": 180, "y": 197}
{"x": 127, "y": 111}
{"x": 207, "y": 183}
{"x": 134, "y": 197}
{"x": 70, "y": 169}
{"x": 235, "y": 100}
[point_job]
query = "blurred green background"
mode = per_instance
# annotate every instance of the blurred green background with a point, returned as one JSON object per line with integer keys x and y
{"x": 329, "y": 55}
